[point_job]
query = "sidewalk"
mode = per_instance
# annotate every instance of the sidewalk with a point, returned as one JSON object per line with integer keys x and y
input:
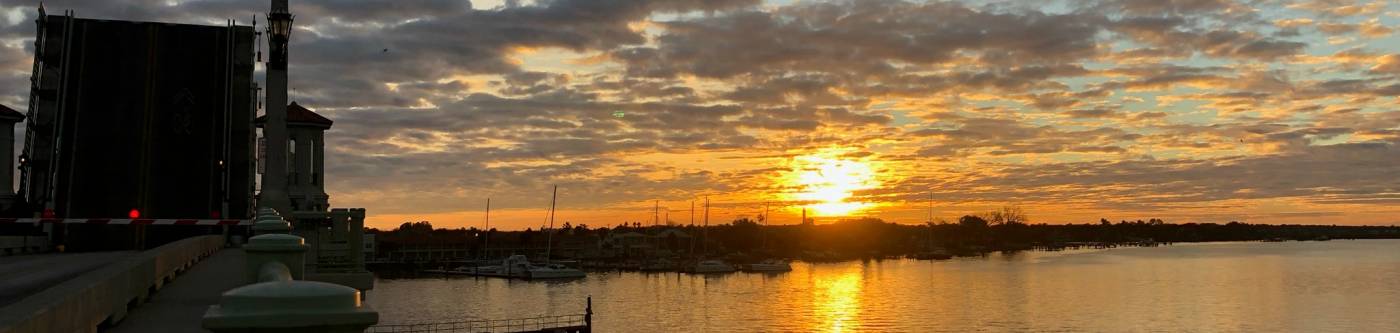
{"x": 180, "y": 305}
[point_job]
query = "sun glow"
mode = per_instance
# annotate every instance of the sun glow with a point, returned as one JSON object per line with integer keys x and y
{"x": 828, "y": 179}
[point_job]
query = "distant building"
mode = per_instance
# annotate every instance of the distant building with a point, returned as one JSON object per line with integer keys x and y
{"x": 668, "y": 242}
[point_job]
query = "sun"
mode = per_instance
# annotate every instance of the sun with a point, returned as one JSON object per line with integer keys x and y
{"x": 828, "y": 179}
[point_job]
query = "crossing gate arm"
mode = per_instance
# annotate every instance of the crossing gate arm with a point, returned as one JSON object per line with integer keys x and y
{"x": 127, "y": 221}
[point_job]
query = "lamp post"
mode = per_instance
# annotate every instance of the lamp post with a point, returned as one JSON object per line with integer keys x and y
{"x": 274, "y": 178}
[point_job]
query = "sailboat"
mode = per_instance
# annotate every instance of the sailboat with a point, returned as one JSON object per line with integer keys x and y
{"x": 551, "y": 270}
{"x": 709, "y": 266}
{"x": 768, "y": 265}
{"x": 654, "y": 263}
{"x": 932, "y": 252}
{"x": 479, "y": 268}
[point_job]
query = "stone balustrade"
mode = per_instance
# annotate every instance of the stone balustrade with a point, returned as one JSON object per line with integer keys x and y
{"x": 276, "y": 299}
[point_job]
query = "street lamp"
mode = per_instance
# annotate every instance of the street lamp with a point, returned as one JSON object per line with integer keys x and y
{"x": 279, "y": 27}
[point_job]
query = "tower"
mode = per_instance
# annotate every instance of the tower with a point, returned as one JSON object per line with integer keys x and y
{"x": 275, "y": 177}
{"x": 306, "y": 190}
{"x": 8, "y": 118}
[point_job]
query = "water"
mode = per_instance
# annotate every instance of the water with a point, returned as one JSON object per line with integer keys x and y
{"x": 1336, "y": 286}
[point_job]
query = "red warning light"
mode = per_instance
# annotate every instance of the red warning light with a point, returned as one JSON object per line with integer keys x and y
{"x": 48, "y": 213}
{"x": 214, "y": 214}
{"x": 134, "y": 214}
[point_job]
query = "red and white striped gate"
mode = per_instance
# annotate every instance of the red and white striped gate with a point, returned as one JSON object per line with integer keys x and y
{"x": 127, "y": 221}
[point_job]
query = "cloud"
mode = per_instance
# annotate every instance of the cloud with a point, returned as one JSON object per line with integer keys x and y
{"x": 1105, "y": 105}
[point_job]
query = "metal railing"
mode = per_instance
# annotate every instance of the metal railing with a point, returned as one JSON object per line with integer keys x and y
{"x": 532, "y": 324}
{"x": 582, "y": 323}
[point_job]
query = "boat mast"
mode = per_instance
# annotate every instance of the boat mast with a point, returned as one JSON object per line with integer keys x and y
{"x": 692, "y": 226}
{"x": 549, "y": 237}
{"x": 655, "y": 241}
{"x": 705, "y": 231}
{"x": 764, "y": 233}
{"x": 930, "y": 207}
{"x": 487, "y": 246}
{"x": 928, "y": 240}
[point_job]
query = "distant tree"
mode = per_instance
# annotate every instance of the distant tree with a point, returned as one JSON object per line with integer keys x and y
{"x": 1014, "y": 215}
{"x": 744, "y": 222}
{"x": 972, "y": 221}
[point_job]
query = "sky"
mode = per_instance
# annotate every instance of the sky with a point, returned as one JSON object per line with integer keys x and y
{"x": 1186, "y": 110}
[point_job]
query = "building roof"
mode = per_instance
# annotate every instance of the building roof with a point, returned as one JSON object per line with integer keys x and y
{"x": 300, "y": 115}
{"x": 668, "y": 232}
{"x": 8, "y": 114}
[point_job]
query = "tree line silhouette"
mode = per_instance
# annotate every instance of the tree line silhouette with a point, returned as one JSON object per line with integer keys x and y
{"x": 1007, "y": 229}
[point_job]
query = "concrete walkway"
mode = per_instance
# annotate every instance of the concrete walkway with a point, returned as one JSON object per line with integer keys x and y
{"x": 180, "y": 305}
{"x": 24, "y": 275}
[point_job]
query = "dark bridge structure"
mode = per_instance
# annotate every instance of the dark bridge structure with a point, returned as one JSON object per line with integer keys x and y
{"x": 137, "y": 182}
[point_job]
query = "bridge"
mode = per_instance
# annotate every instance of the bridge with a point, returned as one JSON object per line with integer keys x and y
{"x": 207, "y": 284}
{"x": 275, "y": 282}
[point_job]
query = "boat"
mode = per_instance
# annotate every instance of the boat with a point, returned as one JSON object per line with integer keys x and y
{"x": 487, "y": 270}
{"x": 517, "y": 266}
{"x": 712, "y": 266}
{"x": 935, "y": 254}
{"x": 660, "y": 265}
{"x": 553, "y": 271}
{"x": 769, "y": 265}
{"x": 548, "y": 270}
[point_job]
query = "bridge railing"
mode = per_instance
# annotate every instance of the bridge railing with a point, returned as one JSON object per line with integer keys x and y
{"x": 532, "y": 324}
{"x": 277, "y": 299}
{"x": 579, "y": 323}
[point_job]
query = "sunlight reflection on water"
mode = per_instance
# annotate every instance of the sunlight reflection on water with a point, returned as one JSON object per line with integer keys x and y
{"x": 1292, "y": 286}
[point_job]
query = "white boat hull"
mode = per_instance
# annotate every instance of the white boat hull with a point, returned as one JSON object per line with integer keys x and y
{"x": 770, "y": 267}
{"x": 555, "y": 273}
{"x": 712, "y": 267}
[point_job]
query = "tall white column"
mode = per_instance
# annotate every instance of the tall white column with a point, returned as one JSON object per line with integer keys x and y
{"x": 274, "y": 179}
{"x": 318, "y": 167}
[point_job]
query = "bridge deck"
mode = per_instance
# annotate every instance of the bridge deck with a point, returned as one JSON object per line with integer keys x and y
{"x": 180, "y": 305}
{"x": 24, "y": 275}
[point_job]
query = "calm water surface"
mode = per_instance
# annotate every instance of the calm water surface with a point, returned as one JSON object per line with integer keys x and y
{"x": 1336, "y": 286}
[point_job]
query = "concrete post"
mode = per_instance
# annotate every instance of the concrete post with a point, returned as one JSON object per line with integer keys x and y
{"x": 276, "y": 300}
{"x": 290, "y": 306}
{"x": 288, "y": 250}
{"x": 269, "y": 222}
{"x": 357, "y": 237}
